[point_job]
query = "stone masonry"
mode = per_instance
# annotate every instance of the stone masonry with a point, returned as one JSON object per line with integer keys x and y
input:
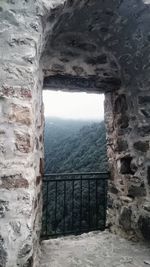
{"x": 77, "y": 45}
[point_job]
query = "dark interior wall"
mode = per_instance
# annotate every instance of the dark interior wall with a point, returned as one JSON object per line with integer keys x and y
{"x": 104, "y": 46}
{"x": 104, "y": 39}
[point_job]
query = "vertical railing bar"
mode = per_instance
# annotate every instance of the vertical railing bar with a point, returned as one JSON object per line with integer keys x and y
{"x": 105, "y": 200}
{"x": 56, "y": 206}
{"x": 80, "y": 203}
{"x": 46, "y": 206}
{"x": 64, "y": 219}
{"x": 101, "y": 183}
{"x": 96, "y": 204}
{"x": 89, "y": 200}
{"x": 72, "y": 204}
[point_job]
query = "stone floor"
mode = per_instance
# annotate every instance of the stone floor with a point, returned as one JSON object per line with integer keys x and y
{"x": 94, "y": 250}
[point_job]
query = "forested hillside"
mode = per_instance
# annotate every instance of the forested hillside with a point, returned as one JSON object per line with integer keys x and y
{"x": 72, "y": 146}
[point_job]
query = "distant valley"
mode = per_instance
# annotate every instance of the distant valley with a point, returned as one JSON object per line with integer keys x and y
{"x": 74, "y": 146}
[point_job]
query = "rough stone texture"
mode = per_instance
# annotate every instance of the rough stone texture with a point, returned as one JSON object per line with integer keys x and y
{"x": 20, "y": 114}
{"x": 109, "y": 53}
{"x": 129, "y": 164}
{"x": 21, "y": 124}
{"x": 94, "y": 250}
{"x": 85, "y": 45}
{"x": 3, "y": 253}
{"x": 144, "y": 225}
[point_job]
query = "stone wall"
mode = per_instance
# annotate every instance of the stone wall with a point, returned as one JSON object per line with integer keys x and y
{"x": 103, "y": 44}
{"x": 129, "y": 160}
{"x": 21, "y": 132}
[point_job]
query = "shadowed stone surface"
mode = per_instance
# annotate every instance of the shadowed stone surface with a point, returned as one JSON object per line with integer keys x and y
{"x": 94, "y": 250}
{"x": 112, "y": 40}
{"x": 3, "y": 253}
{"x": 84, "y": 45}
{"x": 104, "y": 46}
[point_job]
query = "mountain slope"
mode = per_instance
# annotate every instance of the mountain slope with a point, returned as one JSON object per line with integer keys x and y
{"x": 74, "y": 146}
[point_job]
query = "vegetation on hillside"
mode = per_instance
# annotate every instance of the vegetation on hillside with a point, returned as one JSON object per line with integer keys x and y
{"x": 74, "y": 146}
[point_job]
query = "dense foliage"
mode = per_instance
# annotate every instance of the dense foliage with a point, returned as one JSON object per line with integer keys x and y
{"x": 72, "y": 146}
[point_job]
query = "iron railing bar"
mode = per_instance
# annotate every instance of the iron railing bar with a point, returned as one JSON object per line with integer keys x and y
{"x": 89, "y": 200}
{"x": 105, "y": 201}
{"x": 72, "y": 203}
{"x": 46, "y": 207}
{"x": 80, "y": 203}
{"x": 97, "y": 178}
{"x": 55, "y": 207}
{"x": 76, "y": 179}
{"x": 96, "y": 203}
{"x": 76, "y": 173}
{"x": 64, "y": 215}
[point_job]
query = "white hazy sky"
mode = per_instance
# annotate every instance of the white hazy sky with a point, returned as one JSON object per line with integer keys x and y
{"x": 73, "y": 105}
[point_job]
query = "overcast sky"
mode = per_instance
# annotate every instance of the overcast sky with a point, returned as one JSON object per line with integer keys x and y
{"x": 73, "y": 105}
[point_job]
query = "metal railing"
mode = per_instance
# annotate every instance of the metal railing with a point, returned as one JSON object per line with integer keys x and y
{"x": 74, "y": 203}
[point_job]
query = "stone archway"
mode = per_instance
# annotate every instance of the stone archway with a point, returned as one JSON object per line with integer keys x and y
{"x": 108, "y": 52}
